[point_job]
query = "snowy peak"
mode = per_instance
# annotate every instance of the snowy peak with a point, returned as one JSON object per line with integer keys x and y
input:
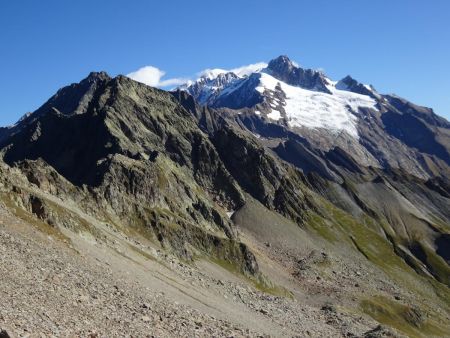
{"x": 281, "y": 65}
{"x": 217, "y": 76}
{"x": 210, "y": 85}
{"x": 216, "y": 83}
{"x": 350, "y": 84}
{"x": 283, "y": 69}
{"x": 284, "y": 93}
{"x": 347, "y": 83}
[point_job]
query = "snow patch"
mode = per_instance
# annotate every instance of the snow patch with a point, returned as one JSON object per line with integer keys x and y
{"x": 312, "y": 109}
{"x": 230, "y": 213}
{"x": 274, "y": 115}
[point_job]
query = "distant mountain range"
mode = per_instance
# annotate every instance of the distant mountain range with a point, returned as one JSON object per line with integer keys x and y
{"x": 377, "y": 130}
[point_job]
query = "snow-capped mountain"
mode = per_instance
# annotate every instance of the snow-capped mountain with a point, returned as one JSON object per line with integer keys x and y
{"x": 378, "y": 130}
{"x": 283, "y": 91}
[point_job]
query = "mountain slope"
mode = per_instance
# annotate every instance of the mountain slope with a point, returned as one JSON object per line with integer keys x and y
{"x": 400, "y": 206}
{"x": 144, "y": 164}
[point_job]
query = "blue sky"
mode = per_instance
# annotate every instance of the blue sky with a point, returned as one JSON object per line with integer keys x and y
{"x": 399, "y": 46}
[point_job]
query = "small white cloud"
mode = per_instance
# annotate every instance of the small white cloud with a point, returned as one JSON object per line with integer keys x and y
{"x": 176, "y": 81}
{"x": 239, "y": 71}
{"x": 212, "y": 73}
{"x": 152, "y": 76}
{"x": 248, "y": 69}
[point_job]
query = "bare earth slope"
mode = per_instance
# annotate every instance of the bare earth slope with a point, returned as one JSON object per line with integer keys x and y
{"x": 63, "y": 283}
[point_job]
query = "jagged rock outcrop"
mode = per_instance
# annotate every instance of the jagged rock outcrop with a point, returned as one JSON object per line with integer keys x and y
{"x": 283, "y": 69}
{"x": 141, "y": 156}
{"x": 350, "y": 84}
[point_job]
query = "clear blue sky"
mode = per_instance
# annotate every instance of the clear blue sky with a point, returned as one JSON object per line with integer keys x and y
{"x": 399, "y": 46}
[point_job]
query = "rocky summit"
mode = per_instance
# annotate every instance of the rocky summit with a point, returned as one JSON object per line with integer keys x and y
{"x": 275, "y": 202}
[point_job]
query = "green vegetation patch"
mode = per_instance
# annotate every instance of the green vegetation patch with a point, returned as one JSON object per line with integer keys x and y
{"x": 404, "y": 318}
{"x": 31, "y": 219}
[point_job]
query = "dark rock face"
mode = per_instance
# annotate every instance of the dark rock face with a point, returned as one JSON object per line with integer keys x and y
{"x": 283, "y": 69}
{"x": 71, "y": 145}
{"x": 139, "y": 153}
{"x": 350, "y": 84}
{"x": 443, "y": 247}
{"x": 414, "y": 133}
{"x": 3, "y": 133}
{"x": 261, "y": 175}
{"x": 424, "y": 113}
{"x": 242, "y": 95}
{"x": 342, "y": 159}
{"x": 299, "y": 155}
{"x": 75, "y": 99}
{"x": 4, "y": 334}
